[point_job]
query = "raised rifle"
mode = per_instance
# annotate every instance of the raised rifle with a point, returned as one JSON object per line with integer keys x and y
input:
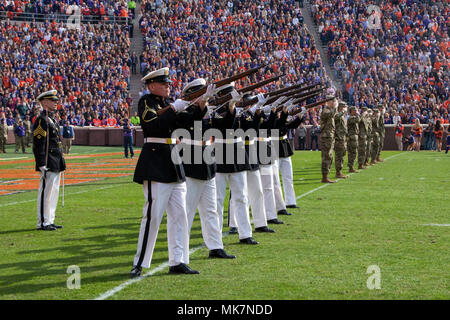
{"x": 223, "y": 82}
{"x": 311, "y": 105}
{"x": 226, "y": 98}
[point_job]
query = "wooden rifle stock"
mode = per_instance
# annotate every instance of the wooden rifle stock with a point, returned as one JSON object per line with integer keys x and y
{"x": 222, "y": 82}
{"x": 227, "y": 97}
{"x": 312, "y": 105}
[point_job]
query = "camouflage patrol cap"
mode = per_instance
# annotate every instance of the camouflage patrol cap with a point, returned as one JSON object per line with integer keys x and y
{"x": 380, "y": 105}
{"x": 375, "y": 110}
{"x": 364, "y": 108}
{"x": 351, "y": 108}
{"x": 342, "y": 103}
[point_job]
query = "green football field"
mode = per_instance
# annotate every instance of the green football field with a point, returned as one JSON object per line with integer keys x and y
{"x": 393, "y": 218}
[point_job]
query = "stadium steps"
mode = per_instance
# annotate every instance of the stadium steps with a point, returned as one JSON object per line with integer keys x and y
{"x": 136, "y": 45}
{"x": 323, "y": 49}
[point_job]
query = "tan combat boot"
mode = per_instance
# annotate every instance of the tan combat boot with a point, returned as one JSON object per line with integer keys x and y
{"x": 325, "y": 179}
{"x": 380, "y": 160}
{"x": 352, "y": 170}
{"x": 340, "y": 175}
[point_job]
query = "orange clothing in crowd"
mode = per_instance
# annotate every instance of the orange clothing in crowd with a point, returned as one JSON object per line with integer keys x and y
{"x": 439, "y": 133}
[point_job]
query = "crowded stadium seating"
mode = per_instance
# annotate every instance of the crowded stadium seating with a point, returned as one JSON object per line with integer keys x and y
{"x": 404, "y": 63}
{"x": 88, "y": 67}
{"x": 96, "y": 9}
{"x": 215, "y": 39}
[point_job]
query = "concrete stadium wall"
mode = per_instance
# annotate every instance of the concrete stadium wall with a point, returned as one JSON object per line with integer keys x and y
{"x": 92, "y": 136}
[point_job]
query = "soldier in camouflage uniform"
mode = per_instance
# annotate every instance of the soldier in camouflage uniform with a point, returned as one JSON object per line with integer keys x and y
{"x": 28, "y": 133}
{"x": 340, "y": 141}
{"x": 368, "y": 120}
{"x": 362, "y": 138}
{"x": 375, "y": 136}
{"x": 327, "y": 130}
{"x": 381, "y": 131}
{"x": 353, "y": 131}
{"x": 3, "y": 134}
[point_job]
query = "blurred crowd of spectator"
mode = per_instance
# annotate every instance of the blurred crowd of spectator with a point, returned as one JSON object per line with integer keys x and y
{"x": 216, "y": 39}
{"x": 102, "y": 9}
{"x": 88, "y": 67}
{"x": 402, "y": 61}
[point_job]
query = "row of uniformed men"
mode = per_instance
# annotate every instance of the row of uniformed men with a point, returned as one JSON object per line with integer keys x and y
{"x": 21, "y": 141}
{"x": 181, "y": 189}
{"x": 362, "y": 135}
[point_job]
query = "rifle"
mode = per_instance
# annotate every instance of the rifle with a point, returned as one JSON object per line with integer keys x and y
{"x": 311, "y": 105}
{"x": 303, "y": 97}
{"x": 260, "y": 84}
{"x": 274, "y": 98}
{"x": 222, "y": 82}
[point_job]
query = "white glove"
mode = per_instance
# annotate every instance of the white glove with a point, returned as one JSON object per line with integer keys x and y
{"x": 289, "y": 104}
{"x": 239, "y": 111}
{"x": 302, "y": 114}
{"x": 235, "y": 97}
{"x": 210, "y": 91}
{"x": 43, "y": 169}
{"x": 268, "y": 109}
{"x": 180, "y": 105}
{"x": 253, "y": 109}
{"x": 261, "y": 100}
{"x": 278, "y": 101}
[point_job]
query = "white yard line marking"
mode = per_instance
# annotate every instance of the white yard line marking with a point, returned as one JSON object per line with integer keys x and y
{"x": 437, "y": 225}
{"x": 6, "y": 159}
{"x": 162, "y": 266}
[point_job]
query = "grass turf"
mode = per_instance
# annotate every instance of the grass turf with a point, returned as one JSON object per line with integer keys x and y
{"x": 376, "y": 217}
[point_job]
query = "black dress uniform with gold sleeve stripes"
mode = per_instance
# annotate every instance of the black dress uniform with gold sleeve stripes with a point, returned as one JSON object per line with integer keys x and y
{"x": 55, "y": 161}
{"x": 155, "y": 162}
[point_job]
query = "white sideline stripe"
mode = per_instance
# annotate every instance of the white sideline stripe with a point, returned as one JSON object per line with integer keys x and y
{"x": 122, "y": 286}
{"x": 67, "y": 194}
{"x": 437, "y": 225}
{"x": 6, "y": 159}
{"x": 326, "y": 185}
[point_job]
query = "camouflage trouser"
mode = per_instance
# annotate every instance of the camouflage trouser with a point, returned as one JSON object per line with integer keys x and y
{"x": 381, "y": 145}
{"x": 326, "y": 145}
{"x": 362, "y": 149}
{"x": 340, "y": 148}
{"x": 352, "y": 148}
{"x": 368, "y": 148}
{"x": 375, "y": 146}
{"x": 20, "y": 143}
{"x": 2, "y": 144}
{"x": 28, "y": 139}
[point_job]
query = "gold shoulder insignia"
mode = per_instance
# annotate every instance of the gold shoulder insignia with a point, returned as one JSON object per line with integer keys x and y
{"x": 39, "y": 132}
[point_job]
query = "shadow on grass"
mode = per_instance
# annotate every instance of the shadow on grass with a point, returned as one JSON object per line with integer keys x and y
{"x": 23, "y": 275}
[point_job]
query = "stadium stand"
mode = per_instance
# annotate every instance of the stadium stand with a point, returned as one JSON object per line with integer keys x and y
{"x": 214, "y": 39}
{"x": 404, "y": 63}
{"x": 89, "y": 68}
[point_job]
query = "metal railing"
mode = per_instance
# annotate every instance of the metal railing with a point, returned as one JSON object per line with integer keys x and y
{"x": 58, "y": 17}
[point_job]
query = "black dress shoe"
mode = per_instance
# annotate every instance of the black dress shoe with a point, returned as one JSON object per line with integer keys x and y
{"x": 136, "y": 271}
{"x": 264, "y": 229}
{"x": 248, "y": 241}
{"x": 275, "y": 221}
{"x": 292, "y": 206}
{"x": 182, "y": 269}
{"x": 233, "y": 230}
{"x": 284, "y": 212}
{"x": 221, "y": 254}
{"x": 55, "y": 226}
{"x": 48, "y": 228}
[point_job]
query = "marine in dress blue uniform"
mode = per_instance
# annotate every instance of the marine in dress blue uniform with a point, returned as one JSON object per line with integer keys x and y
{"x": 163, "y": 180}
